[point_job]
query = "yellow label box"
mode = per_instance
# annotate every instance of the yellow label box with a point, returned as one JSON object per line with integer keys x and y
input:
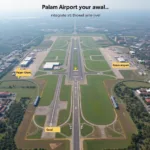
{"x": 120, "y": 65}
{"x": 52, "y": 129}
{"x": 22, "y": 72}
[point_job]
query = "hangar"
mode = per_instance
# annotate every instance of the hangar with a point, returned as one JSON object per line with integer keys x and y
{"x": 50, "y": 65}
{"x": 26, "y": 62}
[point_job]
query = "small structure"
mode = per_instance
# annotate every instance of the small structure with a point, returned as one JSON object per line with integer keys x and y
{"x": 114, "y": 102}
{"x": 132, "y": 53}
{"x": 120, "y": 59}
{"x": 50, "y": 65}
{"x": 36, "y": 102}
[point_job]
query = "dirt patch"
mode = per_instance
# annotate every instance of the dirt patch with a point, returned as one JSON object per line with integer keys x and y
{"x": 62, "y": 105}
{"x": 126, "y": 122}
{"x": 41, "y": 83}
{"x": 54, "y": 145}
{"x": 43, "y": 110}
{"x": 53, "y": 38}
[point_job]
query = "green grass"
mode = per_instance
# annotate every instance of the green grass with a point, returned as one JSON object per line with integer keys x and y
{"x": 129, "y": 74}
{"x": 58, "y": 135}
{"x": 39, "y": 73}
{"x": 136, "y": 84}
{"x": 49, "y": 89}
{"x": 18, "y": 89}
{"x": 109, "y": 73}
{"x": 96, "y": 105}
{"x": 111, "y": 133}
{"x": 40, "y": 120}
{"x": 86, "y": 130}
{"x": 36, "y": 136}
{"x": 46, "y": 43}
{"x": 88, "y": 42}
{"x": 88, "y": 53}
{"x": 75, "y": 59}
{"x": 65, "y": 95}
{"x": 97, "y": 65}
{"x": 61, "y": 43}
{"x": 105, "y": 144}
{"x": 98, "y": 58}
{"x": 66, "y": 130}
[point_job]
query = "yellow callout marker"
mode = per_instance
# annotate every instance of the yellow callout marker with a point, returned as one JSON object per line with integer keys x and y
{"x": 22, "y": 72}
{"x": 75, "y": 68}
{"x": 52, "y": 129}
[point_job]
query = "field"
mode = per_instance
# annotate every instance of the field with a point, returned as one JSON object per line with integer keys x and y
{"x": 20, "y": 87}
{"x": 105, "y": 144}
{"x": 136, "y": 84}
{"x": 65, "y": 95}
{"x": 96, "y": 105}
{"x": 49, "y": 89}
{"x": 94, "y": 60}
{"x": 129, "y": 74}
{"x": 86, "y": 130}
{"x": 40, "y": 120}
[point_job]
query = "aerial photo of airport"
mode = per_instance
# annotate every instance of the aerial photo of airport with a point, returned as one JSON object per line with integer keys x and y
{"x": 75, "y": 83}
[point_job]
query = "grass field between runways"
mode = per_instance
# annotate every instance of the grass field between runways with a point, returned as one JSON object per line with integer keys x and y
{"x": 47, "y": 93}
{"x": 96, "y": 104}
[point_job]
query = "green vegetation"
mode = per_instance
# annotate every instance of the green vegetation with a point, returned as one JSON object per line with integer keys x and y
{"x": 65, "y": 95}
{"x": 95, "y": 101}
{"x": 75, "y": 59}
{"x": 40, "y": 120}
{"x": 109, "y": 73}
{"x": 138, "y": 114}
{"x": 105, "y": 144}
{"x": 49, "y": 89}
{"x": 112, "y": 133}
{"x": 129, "y": 74}
{"x": 86, "y": 130}
{"x": 97, "y": 65}
{"x": 37, "y": 135}
{"x": 66, "y": 130}
{"x": 137, "y": 84}
{"x": 39, "y": 73}
{"x": 61, "y": 43}
{"x": 23, "y": 88}
{"x": 9, "y": 128}
{"x": 88, "y": 53}
{"x": 58, "y": 135}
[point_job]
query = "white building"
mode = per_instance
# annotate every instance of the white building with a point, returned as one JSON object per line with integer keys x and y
{"x": 132, "y": 53}
{"x": 120, "y": 59}
{"x": 50, "y": 65}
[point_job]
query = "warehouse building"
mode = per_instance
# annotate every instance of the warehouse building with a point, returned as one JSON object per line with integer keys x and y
{"x": 26, "y": 62}
{"x": 50, "y": 65}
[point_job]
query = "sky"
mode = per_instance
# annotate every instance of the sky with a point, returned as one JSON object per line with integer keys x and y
{"x": 29, "y": 5}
